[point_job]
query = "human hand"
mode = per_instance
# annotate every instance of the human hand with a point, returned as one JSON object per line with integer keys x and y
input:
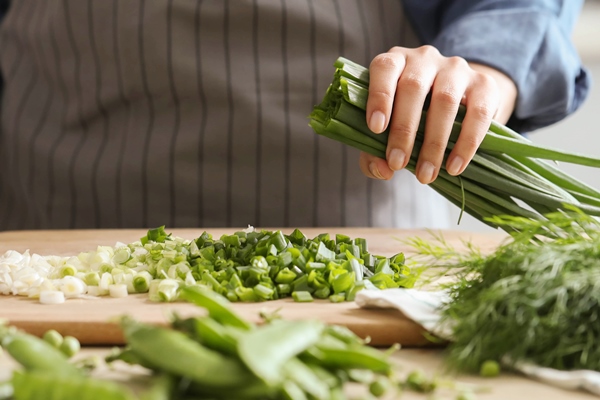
{"x": 401, "y": 79}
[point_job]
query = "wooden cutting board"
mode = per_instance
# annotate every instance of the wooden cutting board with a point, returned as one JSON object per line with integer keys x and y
{"x": 92, "y": 321}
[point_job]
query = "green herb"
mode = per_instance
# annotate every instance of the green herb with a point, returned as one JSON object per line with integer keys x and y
{"x": 506, "y": 167}
{"x": 536, "y": 298}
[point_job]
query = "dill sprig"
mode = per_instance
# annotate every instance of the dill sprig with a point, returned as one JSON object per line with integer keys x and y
{"x": 536, "y": 298}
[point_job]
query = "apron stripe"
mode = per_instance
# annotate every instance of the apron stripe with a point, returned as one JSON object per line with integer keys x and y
{"x": 150, "y": 127}
{"x": 125, "y": 102}
{"x": 344, "y": 148}
{"x": 32, "y": 188}
{"x": 231, "y": 114}
{"x": 96, "y": 189}
{"x": 175, "y": 98}
{"x": 18, "y": 128}
{"x": 62, "y": 85}
{"x": 286, "y": 114}
{"x": 367, "y": 48}
{"x": 75, "y": 198}
{"x": 203, "y": 111}
{"x": 259, "y": 128}
{"x": 7, "y": 106}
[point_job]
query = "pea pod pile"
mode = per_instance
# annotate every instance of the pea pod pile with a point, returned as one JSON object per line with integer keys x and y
{"x": 245, "y": 266}
{"x": 219, "y": 356}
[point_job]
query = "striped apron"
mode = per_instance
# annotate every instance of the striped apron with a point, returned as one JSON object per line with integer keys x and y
{"x": 139, "y": 113}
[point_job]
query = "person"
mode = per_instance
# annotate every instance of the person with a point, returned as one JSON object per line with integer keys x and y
{"x": 137, "y": 113}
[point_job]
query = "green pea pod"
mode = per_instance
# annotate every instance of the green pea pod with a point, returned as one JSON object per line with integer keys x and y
{"x": 36, "y": 385}
{"x": 35, "y": 354}
{"x": 360, "y": 357}
{"x": 175, "y": 353}
{"x": 127, "y": 356}
{"x": 306, "y": 379}
{"x": 252, "y": 391}
{"x": 214, "y": 336}
{"x": 216, "y": 305}
{"x": 267, "y": 349}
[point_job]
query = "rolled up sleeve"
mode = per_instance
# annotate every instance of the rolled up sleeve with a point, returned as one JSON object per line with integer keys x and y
{"x": 527, "y": 40}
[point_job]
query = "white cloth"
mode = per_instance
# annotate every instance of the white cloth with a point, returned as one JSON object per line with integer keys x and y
{"x": 423, "y": 307}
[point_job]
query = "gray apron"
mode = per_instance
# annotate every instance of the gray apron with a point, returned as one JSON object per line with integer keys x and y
{"x": 139, "y": 113}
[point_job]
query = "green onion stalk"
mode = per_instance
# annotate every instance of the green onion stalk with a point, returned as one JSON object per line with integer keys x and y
{"x": 507, "y": 168}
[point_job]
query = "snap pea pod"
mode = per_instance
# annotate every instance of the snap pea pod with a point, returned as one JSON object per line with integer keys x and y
{"x": 127, "y": 356}
{"x": 291, "y": 391}
{"x": 306, "y": 379}
{"x": 215, "y": 336}
{"x": 36, "y": 385}
{"x": 35, "y": 354}
{"x": 175, "y": 353}
{"x": 252, "y": 391}
{"x": 216, "y": 305}
{"x": 349, "y": 358}
{"x": 266, "y": 350}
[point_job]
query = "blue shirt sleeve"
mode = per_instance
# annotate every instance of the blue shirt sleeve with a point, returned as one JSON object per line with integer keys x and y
{"x": 528, "y": 40}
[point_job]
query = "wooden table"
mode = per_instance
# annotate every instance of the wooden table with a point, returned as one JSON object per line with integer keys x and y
{"x": 381, "y": 241}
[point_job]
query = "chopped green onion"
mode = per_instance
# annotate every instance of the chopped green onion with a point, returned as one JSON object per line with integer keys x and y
{"x": 302, "y": 297}
{"x": 67, "y": 270}
{"x": 141, "y": 282}
{"x": 92, "y": 279}
{"x": 167, "y": 290}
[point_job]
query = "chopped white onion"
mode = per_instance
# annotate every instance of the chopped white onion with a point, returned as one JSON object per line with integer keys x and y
{"x": 72, "y": 286}
{"x": 118, "y": 290}
{"x": 94, "y": 291}
{"x": 52, "y": 297}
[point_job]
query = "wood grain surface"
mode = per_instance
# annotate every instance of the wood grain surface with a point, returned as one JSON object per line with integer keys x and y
{"x": 92, "y": 321}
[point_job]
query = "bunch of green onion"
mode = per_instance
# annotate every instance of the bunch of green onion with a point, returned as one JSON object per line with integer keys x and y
{"x": 507, "y": 167}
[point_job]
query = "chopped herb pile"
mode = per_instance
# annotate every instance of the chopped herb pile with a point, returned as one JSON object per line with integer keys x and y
{"x": 245, "y": 266}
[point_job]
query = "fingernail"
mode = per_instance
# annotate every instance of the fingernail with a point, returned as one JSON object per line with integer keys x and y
{"x": 396, "y": 159}
{"x": 455, "y": 166}
{"x": 377, "y": 122}
{"x": 375, "y": 171}
{"x": 426, "y": 171}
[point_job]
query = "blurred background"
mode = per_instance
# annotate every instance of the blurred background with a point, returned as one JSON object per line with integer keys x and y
{"x": 581, "y": 131}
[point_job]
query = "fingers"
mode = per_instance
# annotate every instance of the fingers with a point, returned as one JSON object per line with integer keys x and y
{"x": 482, "y": 102}
{"x": 384, "y": 71}
{"x": 414, "y": 84}
{"x": 448, "y": 88}
{"x": 374, "y": 167}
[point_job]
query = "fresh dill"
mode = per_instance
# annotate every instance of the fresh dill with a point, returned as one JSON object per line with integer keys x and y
{"x": 536, "y": 298}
